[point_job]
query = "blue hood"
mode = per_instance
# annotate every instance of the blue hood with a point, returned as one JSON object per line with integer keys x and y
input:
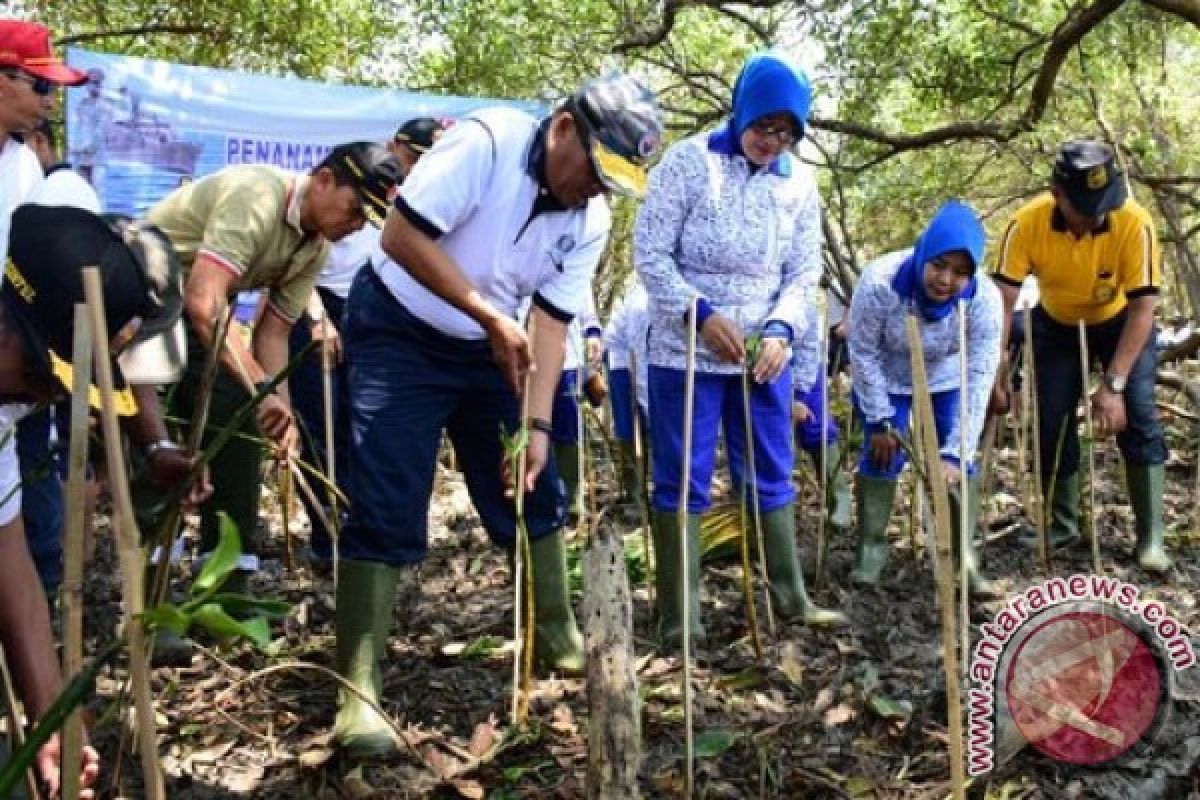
{"x": 770, "y": 82}
{"x": 954, "y": 227}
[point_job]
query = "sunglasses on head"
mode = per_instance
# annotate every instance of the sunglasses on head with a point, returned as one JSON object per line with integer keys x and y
{"x": 40, "y": 86}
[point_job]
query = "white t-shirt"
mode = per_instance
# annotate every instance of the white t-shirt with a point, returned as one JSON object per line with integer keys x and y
{"x": 346, "y": 257}
{"x": 474, "y": 185}
{"x": 20, "y": 177}
{"x": 65, "y": 187}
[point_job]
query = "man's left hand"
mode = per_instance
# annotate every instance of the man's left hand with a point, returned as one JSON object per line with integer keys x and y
{"x": 537, "y": 452}
{"x": 1108, "y": 411}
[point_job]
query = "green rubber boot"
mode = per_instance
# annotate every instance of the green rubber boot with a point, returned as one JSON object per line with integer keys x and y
{"x": 978, "y": 586}
{"x": 1147, "y": 485}
{"x": 839, "y": 515}
{"x": 1064, "y": 513}
{"x": 365, "y": 593}
{"x": 566, "y": 458}
{"x": 557, "y": 642}
{"x": 788, "y": 595}
{"x": 668, "y": 586}
{"x": 631, "y": 479}
{"x": 875, "y": 498}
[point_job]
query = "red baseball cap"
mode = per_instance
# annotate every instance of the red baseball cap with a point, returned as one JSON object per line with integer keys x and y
{"x": 27, "y": 45}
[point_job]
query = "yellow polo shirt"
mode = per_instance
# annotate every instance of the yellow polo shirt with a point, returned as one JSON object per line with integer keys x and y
{"x": 1089, "y": 278}
{"x": 247, "y": 219}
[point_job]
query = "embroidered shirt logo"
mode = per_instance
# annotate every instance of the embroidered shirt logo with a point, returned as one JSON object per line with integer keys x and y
{"x": 13, "y": 275}
{"x": 1097, "y": 177}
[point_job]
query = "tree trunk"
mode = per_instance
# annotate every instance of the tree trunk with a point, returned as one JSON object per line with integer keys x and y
{"x": 614, "y": 725}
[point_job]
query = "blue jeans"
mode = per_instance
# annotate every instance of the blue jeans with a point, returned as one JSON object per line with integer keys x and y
{"x": 42, "y": 508}
{"x": 410, "y": 382}
{"x": 1059, "y": 386}
{"x": 308, "y": 400}
{"x": 718, "y": 402}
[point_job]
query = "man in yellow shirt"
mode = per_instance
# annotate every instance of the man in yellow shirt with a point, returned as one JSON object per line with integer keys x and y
{"x": 1094, "y": 252}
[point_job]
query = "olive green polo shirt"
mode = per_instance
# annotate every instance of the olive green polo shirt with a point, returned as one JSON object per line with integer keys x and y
{"x": 246, "y": 218}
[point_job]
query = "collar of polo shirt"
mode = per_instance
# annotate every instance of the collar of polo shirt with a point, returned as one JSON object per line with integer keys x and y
{"x": 535, "y": 166}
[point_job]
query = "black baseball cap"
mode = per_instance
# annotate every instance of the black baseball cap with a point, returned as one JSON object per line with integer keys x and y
{"x": 371, "y": 170}
{"x": 419, "y": 133}
{"x": 1087, "y": 171}
{"x": 43, "y": 280}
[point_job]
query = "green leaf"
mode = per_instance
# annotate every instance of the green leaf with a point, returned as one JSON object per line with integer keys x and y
{"x": 166, "y": 617}
{"x": 222, "y": 561}
{"x": 888, "y": 708}
{"x": 713, "y": 744}
{"x": 213, "y": 619}
{"x": 483, "y": 647}
{"x": 240, "y": 605}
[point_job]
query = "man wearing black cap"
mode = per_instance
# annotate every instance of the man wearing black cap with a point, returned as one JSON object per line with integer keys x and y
{"x": 42, "y": 283}
{"x": 1095, "y": 254}
{"x": 323, "y": 323}
{"x": 258, "y": 227}
{"x": 413, "y": 140}
{"x": 505, "y": 208}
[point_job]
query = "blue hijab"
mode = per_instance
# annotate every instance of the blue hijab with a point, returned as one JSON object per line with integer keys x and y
{"x": 770, "y": 82}
{"x": 954, "y": 227}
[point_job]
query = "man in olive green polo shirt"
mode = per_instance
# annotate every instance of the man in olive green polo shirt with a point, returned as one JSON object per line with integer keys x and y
{"x": 1094, "y": 252}
{"x": 258, "y": 227}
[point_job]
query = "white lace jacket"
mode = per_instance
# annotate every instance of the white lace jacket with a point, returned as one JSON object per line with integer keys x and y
{"x": 748, "y": 241}
{"x": 879, "y": 354}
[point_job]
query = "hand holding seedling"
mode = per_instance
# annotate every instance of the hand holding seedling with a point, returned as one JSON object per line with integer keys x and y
{"x": 1108, "y": 410}
{"x": 723, "y": 338}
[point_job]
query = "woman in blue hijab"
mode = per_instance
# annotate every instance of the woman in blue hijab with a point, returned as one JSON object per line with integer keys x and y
{"x": 731, "y": 222}
{"x": 930, "y": 281}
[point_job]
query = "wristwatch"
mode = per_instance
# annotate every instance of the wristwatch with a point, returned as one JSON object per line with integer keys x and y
{"x": 541, "y": 425}
{"x": 154, "y": 448}
{"x": 1115, "y": 383}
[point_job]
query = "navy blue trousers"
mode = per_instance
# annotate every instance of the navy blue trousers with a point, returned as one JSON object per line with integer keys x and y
{"x": 408, "y": 383}
{"x": 42, "y": 509}
{"x": 308, "y": 402}
{"x": 1059, "y": 386}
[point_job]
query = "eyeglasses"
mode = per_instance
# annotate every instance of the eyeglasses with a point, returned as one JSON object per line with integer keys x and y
{"x": 40, "y": 86}
{"x": 781, "y": 132}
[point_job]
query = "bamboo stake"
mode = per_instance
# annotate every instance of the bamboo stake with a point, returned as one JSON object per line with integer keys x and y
{"x": 131, "y": 556}
{"x": 987, "y": 478}
{"x": 522, "y": 593}
{"x": 823, "y": 461}
{"x": 689, "y": 398}
{"x": 286, "y": 494}
{"x": 644, "y": 484}
{"x": 18, "y": 728}
{"x": 1038, "y": 508}
{"x": 1090, "y": 515}
{"x": 923, "y": 405}
{"x": 169, "y": 527}
{"x": 752, "y": 487}
{"x": 76, "y": 527}
{"x": 335, "y": 516}
{"x": 964, "y": 498}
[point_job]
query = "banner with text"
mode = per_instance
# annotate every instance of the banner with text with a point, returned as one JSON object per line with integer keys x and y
{"x": 139, "y": 128}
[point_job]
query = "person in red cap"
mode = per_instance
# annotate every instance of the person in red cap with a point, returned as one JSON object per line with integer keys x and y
{"x": 29, "y": 76}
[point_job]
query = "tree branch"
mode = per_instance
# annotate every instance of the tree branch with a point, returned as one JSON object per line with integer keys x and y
{"x": 1188, "y": 10}
{"x": 142, "y": 30}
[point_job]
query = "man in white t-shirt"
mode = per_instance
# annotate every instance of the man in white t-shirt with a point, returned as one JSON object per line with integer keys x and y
{"x": 503, "y": 208}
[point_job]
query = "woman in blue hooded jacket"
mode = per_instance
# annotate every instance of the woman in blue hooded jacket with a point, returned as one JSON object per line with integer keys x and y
{"x": 929, "y": 281}
{"x": 731, "y": 221}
